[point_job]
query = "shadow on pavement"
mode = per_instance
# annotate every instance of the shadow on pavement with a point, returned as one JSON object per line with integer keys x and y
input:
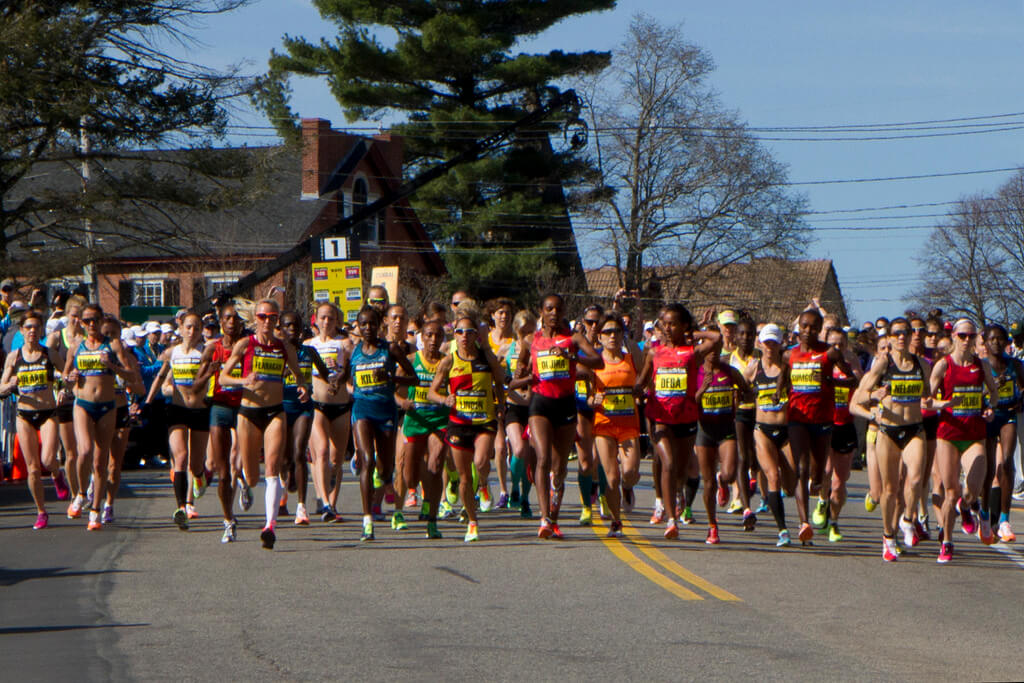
{"x": 15, "y": 630}
{"x": 10, "y": 577}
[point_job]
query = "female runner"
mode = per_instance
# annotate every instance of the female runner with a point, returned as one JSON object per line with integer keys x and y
{"x": 670, "y": 369}
{"x": 91, "y": 370}
{"x": 261, "y": 420}
{"x": 188, "y": 416}
{"x": 30, "y": 371}
{"x": 58, "y": 343}
{"x": 808, "y": 377}
{"x": 374, "y": 411}
{"x": 128, "y": 398}
{"x": 548, "y": 366}
{"x": 1002, "y": 430}
{"x": 963, "y": 378}
{"x": 517, "y": 418}
{"x": 500, "y": 340}
{"x": 591, "y": 320}
{"x": 716, "y": 436}
{"x": 332, "y": 405}
{"x": 771, "y": 434}
{"x": 741, "y": 358}
{"x": 900, "y": 443}
{"x": 424, "y": 425}
{"x": 616, "y": 424}
{"x": 470, "y": 384}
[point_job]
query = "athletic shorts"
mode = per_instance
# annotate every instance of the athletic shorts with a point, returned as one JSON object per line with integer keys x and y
{"x": 515, "y": 413}
{"x": 844, "y": 438}
{"x": 900, "y": 435}
{"x": 196, "y": 419}
{"x": 931, "y": 427}
{"x": 36, "y": 418}
{"x": 558, "y": 411}
{"x": 123, "y": 416}
{"x": 463, "y": 437}
{"x": 332, "y": 411}
{"x": 421, "y": 424}
{"x": 261, "y": 416}
{"x": 383, "y": 415}
{"x": 814, "y": 430}
{"x": 584, "y": 409}
{"x": 293, "y": 410}
{"x": 222, "y": 415}
{"x": 778, "y": 434}
{"x": 683, "y": 430}
{"x": 66, "y": 413}
{"x": 711, "y": 434}
{"x": 745, "y": 416}
{"x": 618, "y": 433}
{"x": 999, "y": 420}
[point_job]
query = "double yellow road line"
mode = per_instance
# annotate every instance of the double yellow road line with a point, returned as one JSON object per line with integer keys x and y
{"x": 675, "y": 587}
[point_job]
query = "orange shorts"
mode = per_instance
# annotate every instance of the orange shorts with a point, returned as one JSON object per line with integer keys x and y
{"x": 618, "y": 432}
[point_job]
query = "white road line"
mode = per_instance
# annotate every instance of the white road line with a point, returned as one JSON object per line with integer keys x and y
{"x": 1011, "y": 554}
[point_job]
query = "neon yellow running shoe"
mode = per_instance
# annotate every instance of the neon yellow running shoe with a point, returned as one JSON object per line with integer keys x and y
{"x": 451, "y": 492}
{"x": 586, "y": 515}
{"x": 869, "y": 503}
{"x": 820, "y": 517}
{"x": 378, "y": 482}
{"x": 472, "y": 534}
{"x": 735, "y": 507}
{"x": 398, "y": 521}
{"x": 833, "y": 533}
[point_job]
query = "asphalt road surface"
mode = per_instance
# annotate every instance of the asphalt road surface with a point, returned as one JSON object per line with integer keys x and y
{"x": 142, "y": 600}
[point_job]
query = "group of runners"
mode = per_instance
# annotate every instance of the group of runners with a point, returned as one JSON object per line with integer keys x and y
{"x": 419, "y": 409}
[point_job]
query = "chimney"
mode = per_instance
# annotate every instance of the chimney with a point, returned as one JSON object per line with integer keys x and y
{"x": 315, "y": 156}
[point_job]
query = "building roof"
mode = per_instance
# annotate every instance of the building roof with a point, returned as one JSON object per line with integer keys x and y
{"x": 769, "y": 289}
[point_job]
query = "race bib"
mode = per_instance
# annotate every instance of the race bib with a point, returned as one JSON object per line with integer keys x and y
{"x": 618, "y": 402}
{"x": 553, "y": 367}
{"x": 670, "y": 382}
{"x": 806, "y": 377}
{"x": 370, "y": 376}
{"x": 970, "y": 401}
{"x": 472, "y": 407}
{"x": 842, "y": 397}
{"x": 906, "y": 391}
{"x": 717, "y": 400}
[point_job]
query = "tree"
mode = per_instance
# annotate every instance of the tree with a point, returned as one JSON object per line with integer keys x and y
{"x": 682, "y": 183}
{"x": 449, "y": 70}
{"x": 84, "y": 89}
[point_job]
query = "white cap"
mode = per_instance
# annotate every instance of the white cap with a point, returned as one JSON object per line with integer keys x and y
{"x": 166, "y": 328}
{"x": 151, "y": 327}
{"x": 54, "y": 324}
{"x": 138, "y": 330}
{"x": 770, "y": 332}
{"x": 649, "y": 325}
{"x": 127, "y": 336}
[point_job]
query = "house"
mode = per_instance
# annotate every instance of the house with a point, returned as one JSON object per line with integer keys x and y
{"x": 768, "y": 289}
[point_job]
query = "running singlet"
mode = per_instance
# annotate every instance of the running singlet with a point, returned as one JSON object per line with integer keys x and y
{"x": 764, "y": 388}
{"x": 904, "y": 387}
{"x": 471, "y": 383}
{"x": 89, "y": 362}
{"x": 554, "y": 370}
{"x": 618, "y": 407}
{"x": 34, "y": 375}
{"x": 371, "y": 375}
{"x": 185, "y": 366}
{"x": 421, "y": 405}
{"x": 738, "y": 362}
{"x": 810, "y": 372}
{"x": 716, "y": 403}
{"x": 230, "y": 396}
{"x": 329, "y": 348}
{"x": 306, "y": 369}
{"x": 841, "y": 414}
{"x": 266, "y": 361}
{"x": 964, "y": 421}
{"x": 1009, "y": 394}
{"x": 675, "y": 384}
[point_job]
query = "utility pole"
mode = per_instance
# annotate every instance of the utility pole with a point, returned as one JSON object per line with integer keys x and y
{"x": 88, "y": 270}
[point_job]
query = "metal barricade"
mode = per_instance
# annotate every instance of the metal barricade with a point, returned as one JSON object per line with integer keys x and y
{"x": 8, "y": 416}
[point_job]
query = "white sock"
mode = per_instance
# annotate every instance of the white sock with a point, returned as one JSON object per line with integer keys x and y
{"x": 367, "y": 519}
{"x": 272, "y": 498}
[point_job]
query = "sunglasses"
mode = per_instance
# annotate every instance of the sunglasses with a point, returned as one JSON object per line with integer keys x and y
{"x": 932, "y": 334}
{"x": 456, "y": 303}
{"x": 30, "y": 327}
{"x": 377, "y": 301}
{"x": 464, "y": 330}
{"x": 917, "y": 330}
{"x": 590, "y": 322}
{"x": 964, "y": 335}
{"x": 266, "y": 316}
{"x": 411, "y": 333}
{"x": 902, "y": 332}
{"x": 612, "y": 330}
{"x": 87, "y": 321}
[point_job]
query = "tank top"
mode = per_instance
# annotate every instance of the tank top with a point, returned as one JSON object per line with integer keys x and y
{"x": 716, "y": 403}
{"x": 963, "y": 422}
{"x": 329, "y": 348}
{"x": 1009, "y": 392}
{"x": 418, "y": 393}
{"x": 266, "y": 361}
{"x": 764, "y": 388}
{"x": 675, "y": 384}
{"x": 841, "y": 414}
{"x": 89, "y": 362}
{"x": 372, "y": 374}
{"x": 810, "y": 375}
{"x": 305, "y": 361}
{"x": 217, "y": 393}
{"x": 471, "y": 383}
{"x": 554, "y": 371}
{"x": 185, "y": 366}
{"x": 738, "y": 362}
{"x": 615, "y": 381}
{"x": 33, "y": 376}
{"x": 904, "y": 387}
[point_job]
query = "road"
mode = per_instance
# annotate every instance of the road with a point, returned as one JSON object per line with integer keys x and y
{"x": 142, "y": 600}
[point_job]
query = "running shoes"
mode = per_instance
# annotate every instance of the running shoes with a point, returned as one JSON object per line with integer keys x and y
{"x": 60, "y": 485}
{"x": 75, "y": 508}
{"x": 432, "y": 531}
{"x": 411, "y": 500}
{"x": 614, "y": 530}
{"x": 806, "y": 533}
{"x": 486, "y": 502}
{"x": 833, "y": 533}
{"x": 268, "y": 537}
{"x": 199, "y": 485}
{"x": 909, "y": 530}
{"x": 586, "y": 515}
{"x": 628, "y": 500}
{"x": 472, "y": 533}
{"x": 889, "y": 553}
{"x": 985, "y": 530}
{"x": 712, "y": 538}
{"x": 301, "y": 516}
{"x": 398, "y": 522}
{"x": 230, "y": 529}
{"x": 784, "y": 540}
{"x": 545, "y": 529}
{"x": 94, "y": 521}
{"x": 108, "y": 514}
{"x": 722, "y": 497}
{"x": 191, "y": 511}
{"x": 820, "y": 515}
{"x": 502, "y": 501}
{"x": 42, "y": 520}
{"x": 181, "y": 519}
{"x": 245, "y": 497}
{"x": 967, "y": 523}
{"x": 328, "y": 514}
{"x": 945, "y": 553}
{"x": 659, "y": 513}
{"x": 687, "y": 515}
{"x": 749, "y": 520}
{"x": 735, "y": 507}
{"x": 1006, "y": 534}
{"x": 671, "y": 529}
{"x": 870, "y": 503}
{"x": 367, "y": 532}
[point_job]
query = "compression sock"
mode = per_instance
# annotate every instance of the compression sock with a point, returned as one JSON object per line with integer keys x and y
{"x": 1004, "y": 517}
{"x": 476, "y": 479}
{"x": 518, "y": 469}
{"x": 995, "y": 502}
{"x": 602, "y": 480}
{"x": 690, "y": 492}
{"x": 774, "y": 500}
{"x": 586, "y": 488}
{"x": 272, "y": 498}
{"x": 181, "y": 487}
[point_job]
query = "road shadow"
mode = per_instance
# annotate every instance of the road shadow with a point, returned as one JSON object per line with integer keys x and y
{"x": 11, "y": 577}
{"x": 16, "y": 630}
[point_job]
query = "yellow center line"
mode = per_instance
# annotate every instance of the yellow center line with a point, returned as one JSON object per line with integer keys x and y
{"x": 682, "y": 572}
{"x": 636, "y": 564}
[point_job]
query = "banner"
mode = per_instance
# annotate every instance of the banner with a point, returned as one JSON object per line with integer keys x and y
{"x": 340, "y": 282}
{"x": 386, "y": 277}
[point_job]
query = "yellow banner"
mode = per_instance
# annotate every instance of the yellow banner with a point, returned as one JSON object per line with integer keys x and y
{"x": 340, "y": 282}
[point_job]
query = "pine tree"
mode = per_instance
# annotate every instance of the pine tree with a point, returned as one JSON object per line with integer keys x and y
{"x": 451, "y": 71}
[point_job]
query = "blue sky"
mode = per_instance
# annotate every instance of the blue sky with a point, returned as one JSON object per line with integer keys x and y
{"x": 784, "y": 65}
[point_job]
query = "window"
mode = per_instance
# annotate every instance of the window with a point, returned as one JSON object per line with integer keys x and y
{"x": 149, "y": 293}
{"x": 371, "y": 230}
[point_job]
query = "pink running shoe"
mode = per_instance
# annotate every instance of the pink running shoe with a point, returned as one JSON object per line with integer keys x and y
{"x": 60, "y": 485}
{"x": 42, "y": 520}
